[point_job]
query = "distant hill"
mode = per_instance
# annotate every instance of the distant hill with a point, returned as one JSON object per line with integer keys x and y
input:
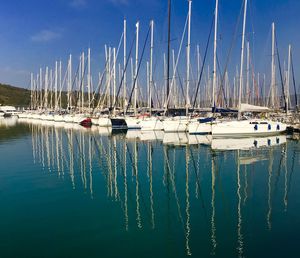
{"x": 10, "y": 95}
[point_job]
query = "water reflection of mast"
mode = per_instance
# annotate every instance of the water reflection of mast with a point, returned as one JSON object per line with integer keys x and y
{"x": 71, "y": 156}
{"x": 90, "y": 166}
{"x": 57, "y": 150}
{"x": 285, "y": 179}
{"x": 135, "y": 170}
{"x": 61, "y": 153}
{"x": 52, "y": 148}
{"x": 33, "y": 142}
{"x": 187, "y": 210}
{"x": 239, "y": 227}
{"x": 150, "y": 182}
{"x": 213, "y": 213}
{"x": 115, "y": 167}
{"x": 47, "y": 147}
{"x": 125, "y": 186}
{"x": 270, "y": 190}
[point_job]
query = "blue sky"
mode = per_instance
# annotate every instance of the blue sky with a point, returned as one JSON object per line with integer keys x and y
{"x": 35, "y": 33}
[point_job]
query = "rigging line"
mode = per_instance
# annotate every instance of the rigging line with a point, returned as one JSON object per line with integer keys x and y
{"x": 294, "y": 82}
{"x": 123, "y": 75}
{"x": 176, "y": 64}
{"x": 198, "y": 183}
{"x": 81, "y": 84}
{"x": 97, "y": 92}
{"x": 181, "y": 85}
{"x": 222, "y": 85}
{"x": 280, "y": 72}
{"x": 230, "y": 50}
{"x": 203, "y": 63}
{"x": 139, "y": 66}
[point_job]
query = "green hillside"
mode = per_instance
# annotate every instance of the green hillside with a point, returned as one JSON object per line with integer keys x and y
{"x": 14, "y": 96}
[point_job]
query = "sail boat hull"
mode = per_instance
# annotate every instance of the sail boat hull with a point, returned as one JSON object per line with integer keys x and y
{"x": 248, "y": 128}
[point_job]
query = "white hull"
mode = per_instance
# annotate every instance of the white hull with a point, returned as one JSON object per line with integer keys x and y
{"x": 247, "y": 128}
{"x": 68, "y": 118}
{"x": 133, "y": 123}
{"x": 176, "y": 124}
{"x": 195, "y": 127}
{"x": 104, "y": 121}
{"x": 151, "y": 124}
{"x": 78, "y": 118}
{"x": 58, "y": 118}
{"x": 95, "y": 120}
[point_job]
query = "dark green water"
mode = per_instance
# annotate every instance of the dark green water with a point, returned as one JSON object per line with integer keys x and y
{"x": 73, "y": 192}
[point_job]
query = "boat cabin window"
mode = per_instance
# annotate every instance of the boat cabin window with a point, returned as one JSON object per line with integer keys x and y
{"x": 253, "y": 123}
{"x": 263, "y": 123}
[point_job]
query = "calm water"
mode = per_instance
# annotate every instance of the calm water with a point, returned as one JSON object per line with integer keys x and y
{"x": 67, "y": 191}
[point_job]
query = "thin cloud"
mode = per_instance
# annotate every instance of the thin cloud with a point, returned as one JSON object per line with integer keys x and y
{"x": 78, "y": 3}
{"x": 45, "y": 36}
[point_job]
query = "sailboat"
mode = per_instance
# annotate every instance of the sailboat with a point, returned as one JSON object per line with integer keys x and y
{"x": 242, "y": 128}
{"x": 179, "y": 123}
{"x": 204, "y": 125}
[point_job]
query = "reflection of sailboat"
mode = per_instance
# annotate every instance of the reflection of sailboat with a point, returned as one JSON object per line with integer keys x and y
{"x": 199, "y": 139}
{"x": 8, "y": 122}
{"x": 177, "y": 139}
{"x": 247, "y": 143}
{"x": 151, "y": 135}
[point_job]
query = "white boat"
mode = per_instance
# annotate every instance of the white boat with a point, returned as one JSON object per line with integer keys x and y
{"x": 58, "y": 118}
{"x": 200, "y": 126}
{"x": 68, "y": 118}
{"x": 95, "y": 120}
{"x": 8, "y": 110}
{"x": 245, "y": 128}
{"x": 176, "y": 124}
{"x": 104, "y": 121}
{"x": 81, "y": 119}
{"x": 151, "y": 124}
{"x": 133, "y": 123}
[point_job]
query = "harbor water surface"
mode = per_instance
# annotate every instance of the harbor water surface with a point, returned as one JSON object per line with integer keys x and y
{"x": 69, "y": 191}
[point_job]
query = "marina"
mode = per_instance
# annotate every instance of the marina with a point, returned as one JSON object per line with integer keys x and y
{"x": 157, "y": 194}
{"x": 149, "y": 129}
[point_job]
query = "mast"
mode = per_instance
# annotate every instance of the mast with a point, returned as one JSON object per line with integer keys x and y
{"x": 55, "y": 86}
{"x": 242, "y": 60}
{"x": 168, "y": 54}
{"x": 288, "y": 80}
{"x": 70, "y": 82}
{"x": 31, "y": 91}
{"x": 273, "y": 67}
{"x": 248, "y": 72}
{"x": 198, "y": 69}
{"x": 82, "y": 81}
{"x": 46, "y": 88}
{"x": 89, "y": 78}
{"x": 215, "y": 55}
{"x": 124, "y": 63}
{"x": 151, "y": 67}
{"x": 114, "y": 77}
{"x": 136, "y": 66}
{"x": 41, "y": 88}
{"x": 60, "y": 84}
{"x": 187, "y": 102}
